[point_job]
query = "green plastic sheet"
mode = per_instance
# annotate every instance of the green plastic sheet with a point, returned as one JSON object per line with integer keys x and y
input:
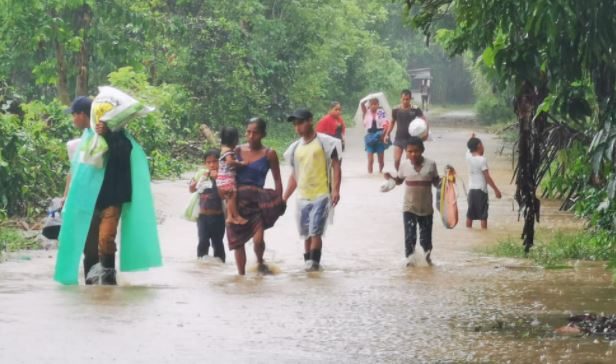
{"x": 139, "y": 243}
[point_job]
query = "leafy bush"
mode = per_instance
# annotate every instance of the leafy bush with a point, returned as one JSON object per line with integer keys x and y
{"x": 12, "y": 240}
{"x": 492, "y": 109}
{"x": 33, "y": 160}
{"x": 572, "y": 169}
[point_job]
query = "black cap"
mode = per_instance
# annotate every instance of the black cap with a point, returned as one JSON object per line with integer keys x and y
{"x": 81, "y": 104}
{"x": 300, "y": 115}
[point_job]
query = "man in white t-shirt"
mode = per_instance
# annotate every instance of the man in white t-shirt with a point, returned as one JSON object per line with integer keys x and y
{"x": 479, "y": 179}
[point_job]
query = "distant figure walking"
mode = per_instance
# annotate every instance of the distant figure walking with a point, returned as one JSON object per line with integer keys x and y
{"x": 332, "y": 124}
{"x": 402, "y": 116}
{"x": 479, "y": 179}
{"x": 377, "y": 125}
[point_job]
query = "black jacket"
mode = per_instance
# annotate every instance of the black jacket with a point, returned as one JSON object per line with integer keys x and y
{"x": 117, "y": 185}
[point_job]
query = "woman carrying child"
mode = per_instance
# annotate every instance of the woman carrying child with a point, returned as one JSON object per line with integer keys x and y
{"x": 260, "y": 206}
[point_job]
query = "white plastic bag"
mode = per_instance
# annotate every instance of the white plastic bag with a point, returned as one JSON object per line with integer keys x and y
{"x": 388, "y": 185}
{"x": 115, "y": 108}
{"x": 383, "y": 103}
{"x": 419, "y": 128}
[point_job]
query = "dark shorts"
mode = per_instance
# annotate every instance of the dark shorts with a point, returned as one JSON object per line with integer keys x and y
{"x": 477, "y": 205}
{"x": 401, "y": 142}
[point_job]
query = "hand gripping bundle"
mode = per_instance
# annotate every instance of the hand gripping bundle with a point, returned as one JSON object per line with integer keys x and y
{"x": 114, "y": 108}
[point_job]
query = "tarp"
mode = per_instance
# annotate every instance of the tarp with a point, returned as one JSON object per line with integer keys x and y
{"x": 383, "y": 103}
{"x": 139, "y": 243}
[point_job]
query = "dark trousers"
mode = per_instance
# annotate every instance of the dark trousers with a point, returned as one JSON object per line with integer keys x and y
{"x": 211, "y": 231}
{"x": 410, "y": 232}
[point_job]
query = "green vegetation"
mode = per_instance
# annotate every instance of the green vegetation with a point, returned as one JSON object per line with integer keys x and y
{"x": 12, "y": 240}
{"x": 552, "y": 58}
{"x": 557, "y": 250}
{"x": 198, "y": 62}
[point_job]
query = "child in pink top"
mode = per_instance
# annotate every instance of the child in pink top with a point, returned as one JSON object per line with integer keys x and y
{"x": 225, "y": 181}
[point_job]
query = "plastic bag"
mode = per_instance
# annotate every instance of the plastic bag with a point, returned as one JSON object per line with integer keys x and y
{"x": 53, "y": 221}
{"x": 419, "y": 128}
{"x": 383, "y": 103}
{"x": 123, "y": 108}
{"x": 115, "y": 108}
{"x": 388, "y": 185}
{"x": 191, "y": 213}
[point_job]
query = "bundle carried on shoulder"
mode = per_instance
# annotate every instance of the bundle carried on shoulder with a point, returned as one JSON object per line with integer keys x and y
{"x": 116, "y": 109}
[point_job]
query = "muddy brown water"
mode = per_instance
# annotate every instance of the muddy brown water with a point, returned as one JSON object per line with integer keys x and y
{"x": 365, "y": 306}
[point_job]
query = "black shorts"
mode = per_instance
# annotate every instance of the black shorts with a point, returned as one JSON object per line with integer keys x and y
{"x": 477, "y": 205}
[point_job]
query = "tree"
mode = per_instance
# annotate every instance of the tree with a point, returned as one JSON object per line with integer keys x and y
{"x": 558, "y": 56}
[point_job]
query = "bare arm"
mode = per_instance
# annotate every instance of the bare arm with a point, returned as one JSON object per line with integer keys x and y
{"x": 192, "y": 187}
{"x": 337, "y": 181}
{"x": 391, "y": 126}
{"x": 491, "y": 183}
{"x": 232, "y": 162}
{"x": 291, "y": 186}
{"x": 275, "y": 167}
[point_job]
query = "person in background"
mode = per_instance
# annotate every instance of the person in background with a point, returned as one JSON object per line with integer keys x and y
{"x": 479, "y": 179}
{"x": 332, "y": 124}
{"x": 402, "y": 116}
{"x": 377, "y": 126}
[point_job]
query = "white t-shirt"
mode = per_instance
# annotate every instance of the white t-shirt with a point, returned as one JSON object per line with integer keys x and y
{"x": 476, "y": 165}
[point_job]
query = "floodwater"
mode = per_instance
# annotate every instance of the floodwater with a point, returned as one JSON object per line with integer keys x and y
{"x": 365, "y": 306}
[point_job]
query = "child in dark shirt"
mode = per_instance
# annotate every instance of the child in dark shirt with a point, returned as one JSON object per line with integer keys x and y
{"x": 211, "y": 220}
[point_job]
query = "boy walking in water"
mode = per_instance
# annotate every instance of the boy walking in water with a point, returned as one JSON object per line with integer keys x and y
{"x": 419, "y": 174}
{"x": 479, "y": 179}
{"x": 315, "y": 159}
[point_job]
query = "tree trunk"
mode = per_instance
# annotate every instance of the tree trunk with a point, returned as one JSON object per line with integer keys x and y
{"x": 528, "y": 162}
{"x": 84, "y": 18}
{"x": 62, "y": 83}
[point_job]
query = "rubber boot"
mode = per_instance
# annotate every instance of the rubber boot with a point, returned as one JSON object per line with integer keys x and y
{"x": 109, "y": 273}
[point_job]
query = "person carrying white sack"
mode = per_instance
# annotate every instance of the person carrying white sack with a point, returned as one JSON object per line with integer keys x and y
{"x": 402, "y": 116}
{"x": 110, "y": 181}
{"x": 375, "y": 113}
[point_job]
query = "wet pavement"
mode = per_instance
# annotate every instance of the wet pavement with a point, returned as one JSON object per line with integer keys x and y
{"x": 365, "y": 306}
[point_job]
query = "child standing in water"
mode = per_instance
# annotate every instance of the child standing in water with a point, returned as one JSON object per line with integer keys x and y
{"x": 211, "y": 220}
{"x": 225, "y": 181}
{"x": 479, "y": 179}
{"x": 419, "y": 174}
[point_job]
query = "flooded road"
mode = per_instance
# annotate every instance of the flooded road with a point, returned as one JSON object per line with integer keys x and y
{"x": 365, "y": 306}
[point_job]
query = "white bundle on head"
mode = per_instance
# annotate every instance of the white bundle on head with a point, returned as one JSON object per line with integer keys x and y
{"x": 419, "y": 128}
{"x": 383, "y": 104}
